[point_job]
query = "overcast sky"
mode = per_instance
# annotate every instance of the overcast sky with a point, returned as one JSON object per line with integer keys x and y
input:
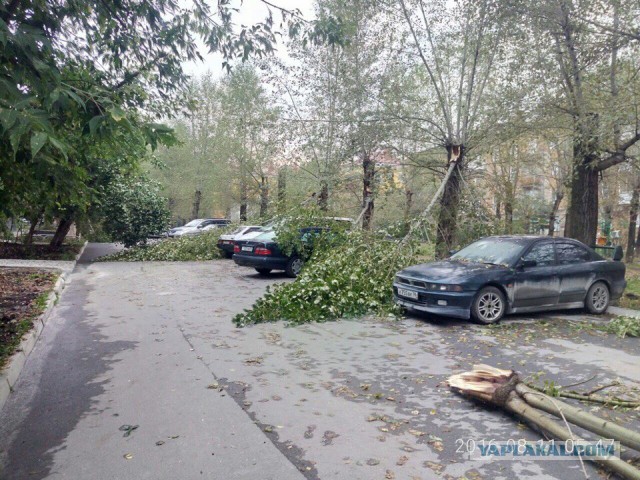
{"x": 251, "y": 12}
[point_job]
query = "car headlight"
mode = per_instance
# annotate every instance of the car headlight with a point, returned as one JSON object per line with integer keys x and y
{"x": 445, "y": 288}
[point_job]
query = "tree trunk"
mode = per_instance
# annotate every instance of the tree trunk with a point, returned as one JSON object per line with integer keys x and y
{"x": 449, "y": 204}
{"x": 633, "y": 218}
{"x": 582, "y": 214}
{"x": 282, "y": 189}
{"x": 508, "y": 217}
{"x": 498, "y": 211}
{"x": 197, "y": 197}
{"x": 61, "y": 232}
{"x": 264, "y": 196}
{"x": 368, "y": 178}
{"x": 323, "y": 199}
{"x": 408, "y": 202}
{"x": 243, "y": 200}
{"x": 554, "y": 211}
{"x": 28, "y": 240}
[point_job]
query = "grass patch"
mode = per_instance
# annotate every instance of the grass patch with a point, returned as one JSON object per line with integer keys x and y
{"x": 184, "y": 249}
{"x": 23, "y": 297}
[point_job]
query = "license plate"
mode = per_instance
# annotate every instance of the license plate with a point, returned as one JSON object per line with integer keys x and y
{"x": 403, "y": 292}
{"x": 247, "y": 249}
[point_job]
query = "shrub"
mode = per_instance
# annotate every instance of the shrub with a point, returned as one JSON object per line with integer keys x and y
{"x": 192, "y": 248}
{"x": 350, "y": 279}
{"x": 134, "y": 211}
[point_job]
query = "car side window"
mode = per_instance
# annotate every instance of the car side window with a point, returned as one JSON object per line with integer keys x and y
{"x": 569, "y": 253}
{"x": 542, "y": 253}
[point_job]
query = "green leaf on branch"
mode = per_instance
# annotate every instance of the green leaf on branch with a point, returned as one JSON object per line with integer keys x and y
{"x": 38, "y": 140}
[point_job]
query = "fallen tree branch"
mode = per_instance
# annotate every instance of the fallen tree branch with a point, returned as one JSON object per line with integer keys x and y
{"x": 579, "y": 417}
{"x": 591, "y": 398}
{"x": 504, "y": 389}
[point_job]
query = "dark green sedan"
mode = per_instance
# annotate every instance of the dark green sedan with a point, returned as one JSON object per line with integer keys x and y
{"x": 512, "y": 274}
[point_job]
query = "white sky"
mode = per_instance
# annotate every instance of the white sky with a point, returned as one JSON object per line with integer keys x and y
{"x": 251, "y": 12}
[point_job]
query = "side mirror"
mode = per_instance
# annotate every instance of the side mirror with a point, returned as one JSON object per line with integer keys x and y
{"x": 618, "y": 254}
{"x": 524, "y": 264}
{"x": 452, "y": 252}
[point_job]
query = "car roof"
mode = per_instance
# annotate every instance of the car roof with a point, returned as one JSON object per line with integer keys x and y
{"x": 530, "y": 239}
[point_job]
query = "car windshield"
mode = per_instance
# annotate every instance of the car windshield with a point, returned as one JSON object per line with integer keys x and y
{"x": 193, "y": 223}
{"x": 495, "y": 251}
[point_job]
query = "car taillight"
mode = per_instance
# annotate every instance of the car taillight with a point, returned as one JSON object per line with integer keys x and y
{"x": 262, "y": 251}
{"x": 236, "y": 248}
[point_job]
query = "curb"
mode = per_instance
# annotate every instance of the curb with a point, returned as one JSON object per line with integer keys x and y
{"x": 11, "y": 371}
{"x": 624, "y": 312}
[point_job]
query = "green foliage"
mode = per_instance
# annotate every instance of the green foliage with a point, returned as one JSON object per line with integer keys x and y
{"x": 623, "y": 327}
{"x": 349, "y": 280}
{"x": 184, "y": 249}
{"x": 287, "y": 228}
{"x": 134, "y": 211}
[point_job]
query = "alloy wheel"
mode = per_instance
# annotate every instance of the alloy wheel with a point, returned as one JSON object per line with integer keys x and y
{"x": 490, "y": 306}
{"x": 600, "y": 297}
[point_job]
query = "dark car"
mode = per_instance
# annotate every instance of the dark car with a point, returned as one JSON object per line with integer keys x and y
{"x": 509, "y": 274}
{"x": 264, "y": 254}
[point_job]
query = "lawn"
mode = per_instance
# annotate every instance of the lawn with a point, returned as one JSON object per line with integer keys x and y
{"x": 23, "y": 296}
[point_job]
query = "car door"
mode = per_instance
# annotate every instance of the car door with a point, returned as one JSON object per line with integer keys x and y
{"x": 575, "y": 270}
{"x": 537, "y": 286}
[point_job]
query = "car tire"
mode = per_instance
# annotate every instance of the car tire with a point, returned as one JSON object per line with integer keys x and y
{"x": 598, "y": 298}
{"x": 228, "y": 254}
{"x": 489, "y": 306}
{"x": 294, "y": 266}
{"x": 263, "y": 271}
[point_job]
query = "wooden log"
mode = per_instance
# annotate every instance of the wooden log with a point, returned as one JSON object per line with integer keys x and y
{"x": 521, "y": 408}
{"x": 579, "y": 417}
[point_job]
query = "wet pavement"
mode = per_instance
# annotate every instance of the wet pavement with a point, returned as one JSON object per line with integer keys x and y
{"x": 153, "y": 345}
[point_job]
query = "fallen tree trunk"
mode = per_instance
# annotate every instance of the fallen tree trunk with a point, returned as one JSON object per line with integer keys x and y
{"x": 579, "y": 417}
{"x": 503, "y": 388}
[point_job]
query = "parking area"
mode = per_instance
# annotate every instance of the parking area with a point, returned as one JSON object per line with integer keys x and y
{"x": 153, "y": 345}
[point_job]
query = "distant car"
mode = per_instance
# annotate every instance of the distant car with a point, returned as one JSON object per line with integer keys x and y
{"x": 197, "y": 226}
{"x": 512, "y": 274}
{"x": 264, "y": 254}
{"x": 226, "y": 242}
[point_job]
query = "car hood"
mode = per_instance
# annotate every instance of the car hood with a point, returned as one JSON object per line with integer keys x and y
{"x": 448, "y": 271}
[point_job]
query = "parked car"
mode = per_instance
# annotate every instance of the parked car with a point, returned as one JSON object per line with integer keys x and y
{"x": 264, "y": 254}
{"x": 226, "y": 242}
{"x": 197, "y": 226}
{"x": 511, "y": 274}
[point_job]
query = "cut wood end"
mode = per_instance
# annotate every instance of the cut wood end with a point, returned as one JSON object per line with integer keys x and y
{"x": 481, "y": 382}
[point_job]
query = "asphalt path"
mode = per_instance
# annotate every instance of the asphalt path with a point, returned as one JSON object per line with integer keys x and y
{"x": 152, "y": 346}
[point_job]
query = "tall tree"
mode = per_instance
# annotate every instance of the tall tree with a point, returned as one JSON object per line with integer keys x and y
{"x": 459, "y": 60}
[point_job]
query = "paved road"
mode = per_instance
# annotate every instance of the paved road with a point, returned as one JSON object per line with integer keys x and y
{"x": 152, "y": 344}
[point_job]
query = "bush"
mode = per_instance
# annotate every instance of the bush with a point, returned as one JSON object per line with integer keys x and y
{"x": 134, "y": 211}
{"x": 351, "y": 279}
{"x": 192, "y": 248}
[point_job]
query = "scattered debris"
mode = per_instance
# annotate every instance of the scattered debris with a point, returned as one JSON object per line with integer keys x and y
{"x": 128, "y": 429}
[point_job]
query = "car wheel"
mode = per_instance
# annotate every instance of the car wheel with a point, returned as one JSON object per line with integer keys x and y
{"x": 598, "y": 297}
{"x": 489, "y": 306}
{"x": 228, "y": 254}
{"x": 294, "y": 267}
{"x": 263, "y": 271}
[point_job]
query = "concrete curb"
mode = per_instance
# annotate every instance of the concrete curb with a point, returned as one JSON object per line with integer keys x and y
{"x": 11, "y": 371}
{"x": 624, "y": 312}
